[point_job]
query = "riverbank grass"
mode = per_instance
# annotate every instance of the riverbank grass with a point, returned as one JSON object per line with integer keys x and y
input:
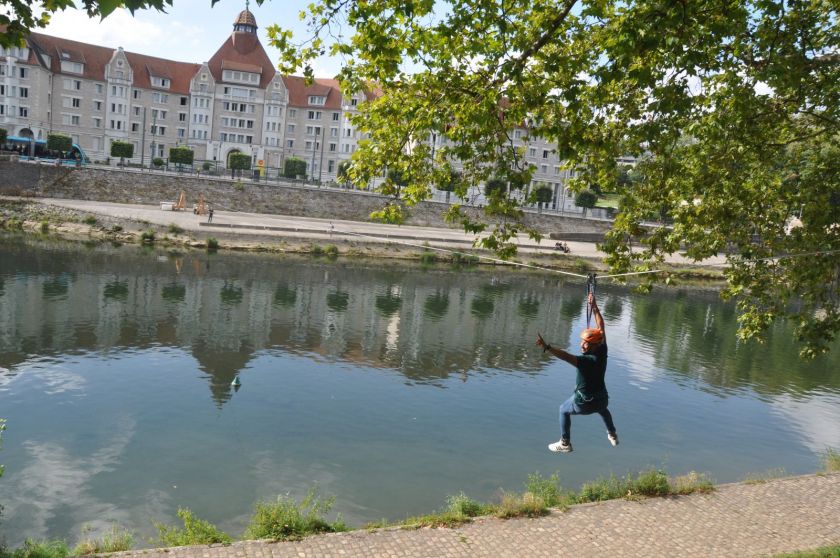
{"x": 195, "y": 531}
{"x": 831, "y": 461}
{"x": 285, "y": 519}
{"x": 115, "y": 540}
{"x": 824, "y": 552}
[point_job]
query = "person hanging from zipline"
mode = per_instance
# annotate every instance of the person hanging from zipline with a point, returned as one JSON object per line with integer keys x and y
{"x": 590, "y": 394}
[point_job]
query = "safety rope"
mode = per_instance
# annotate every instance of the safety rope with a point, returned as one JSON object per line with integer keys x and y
{"x": 590, "y": 290}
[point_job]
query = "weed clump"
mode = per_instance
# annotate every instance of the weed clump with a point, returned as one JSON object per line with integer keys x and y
{"x": 117, "y": 539}
{"x": 287, "y": 519}
{"x": 147, "y": 237}
{"x": 195, "y": 531}
{"x": 212, "y": 244}
{"x": 331, "y": 251}
{"x": 175, "y": 229}
{"x": 89, "y": 220}
{"x": 831, "y": 460}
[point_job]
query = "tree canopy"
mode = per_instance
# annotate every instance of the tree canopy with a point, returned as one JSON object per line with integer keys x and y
{"x": 731, "y": 106}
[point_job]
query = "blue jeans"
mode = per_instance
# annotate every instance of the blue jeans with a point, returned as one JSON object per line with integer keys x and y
{"x": 569, "y": 408}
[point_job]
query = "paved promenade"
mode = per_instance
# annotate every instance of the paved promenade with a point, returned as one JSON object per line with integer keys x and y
{"x": 269, "y": 227}
{"x": 737, "y": 520}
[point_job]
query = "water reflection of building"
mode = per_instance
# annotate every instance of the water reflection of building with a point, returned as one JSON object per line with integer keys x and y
{"x": 425, "y": 324}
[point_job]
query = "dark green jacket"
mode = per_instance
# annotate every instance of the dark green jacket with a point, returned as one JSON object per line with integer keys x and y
{"x": 591, "y": 369}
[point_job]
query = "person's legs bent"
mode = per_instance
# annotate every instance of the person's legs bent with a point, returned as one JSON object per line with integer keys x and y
{"x": 608, "y": 421}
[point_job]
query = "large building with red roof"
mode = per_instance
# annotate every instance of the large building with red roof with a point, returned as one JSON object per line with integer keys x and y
{"x": 235, "y": 102}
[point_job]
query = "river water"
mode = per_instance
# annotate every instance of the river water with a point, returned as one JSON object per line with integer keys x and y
{"x": 389, "y": 387}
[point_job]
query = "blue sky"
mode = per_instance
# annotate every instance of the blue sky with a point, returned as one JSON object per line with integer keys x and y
{"x": 191, "y": 31}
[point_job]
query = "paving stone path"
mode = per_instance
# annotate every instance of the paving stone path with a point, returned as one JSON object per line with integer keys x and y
{"x": 736, "y": 520}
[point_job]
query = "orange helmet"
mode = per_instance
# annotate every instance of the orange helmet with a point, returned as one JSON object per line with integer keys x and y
{"x": 592, "y": 335}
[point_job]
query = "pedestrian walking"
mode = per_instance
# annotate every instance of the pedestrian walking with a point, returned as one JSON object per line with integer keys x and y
{"x": 210, "y": 215}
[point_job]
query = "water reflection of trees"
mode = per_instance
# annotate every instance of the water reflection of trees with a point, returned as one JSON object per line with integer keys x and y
{"x": 695, "y": 337}
{"x": 427, "y": 325}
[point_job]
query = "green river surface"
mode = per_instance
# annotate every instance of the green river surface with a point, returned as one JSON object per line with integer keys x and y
{"x": 389, "y": 386}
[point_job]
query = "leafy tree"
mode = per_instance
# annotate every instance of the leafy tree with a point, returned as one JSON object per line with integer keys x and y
{"x": 122, "y": 149}
{"x": 543, "y": 193}
{"x": 294, "y": 167}
{"x": 181, "y": 155}
{"x": 239, "y": 161}
{"x": 3, "y": 135}
{"x": 495, "y": 187}
{"x": 732, "y": 107}
{"x": 59, "y": 142}
{"x": 586, "y": 199}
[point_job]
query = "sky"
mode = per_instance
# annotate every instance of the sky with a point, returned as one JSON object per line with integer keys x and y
{"x": 191, "y": 31}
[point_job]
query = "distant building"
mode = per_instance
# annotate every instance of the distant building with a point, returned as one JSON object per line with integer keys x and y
{"x": 235, "y": 102}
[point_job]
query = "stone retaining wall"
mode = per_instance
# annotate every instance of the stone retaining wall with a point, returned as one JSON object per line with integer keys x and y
{"x": 129, "y": 186}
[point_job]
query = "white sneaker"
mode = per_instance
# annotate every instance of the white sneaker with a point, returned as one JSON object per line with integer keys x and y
{"x": 613, "y": 438}
{"x": 563, "y": 446}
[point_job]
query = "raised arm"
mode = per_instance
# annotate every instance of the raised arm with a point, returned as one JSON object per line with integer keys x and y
{"x": 596, "y": 313}
{"x": 559, "y": 353}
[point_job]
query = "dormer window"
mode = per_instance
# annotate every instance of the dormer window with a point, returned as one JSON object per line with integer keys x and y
{"x": 71, "y": 67}
{"x": 318, "y": 100}
{"x": 241, "y": 77}
{"x": 160, "y": 82}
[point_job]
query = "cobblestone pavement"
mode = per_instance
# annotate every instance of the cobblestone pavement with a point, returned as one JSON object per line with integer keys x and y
{"x": 737, "y": 520}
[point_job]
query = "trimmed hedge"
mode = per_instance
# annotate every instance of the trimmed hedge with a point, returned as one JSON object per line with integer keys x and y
{"x": 59, "y": 142}
{"x": 122, "y": 149}
{"x": 239, "y": 161}
{"x": 294, "y": 167}
{"x": 181, "y": 155}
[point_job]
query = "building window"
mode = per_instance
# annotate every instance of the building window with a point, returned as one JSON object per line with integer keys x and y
{"x": 317, "y": 100}
{"x": 330, "y": 165}
{"x": 314, "y": 115}
{"x": 97, "y": 122}
{"x": 24, "y": 92}
{"x": 160, "y": 82}
{"x": 333, "y": 147}
{"x": 97, "y": 105}
{"x": 290, "y": 128}
{"x": 24, "y": 72}
{"x": 24, "y": 111}
{"x": 545, "y": 153}
{"x": 182, "y": 132}
{"x": 184, "y": 101}
{"x": 100, "y": 88}
{"x": 292, "y": 113}
{"x": 532, "y": 152}
{"x": 135, "y": 127}
{"x": 290, "y": 143}
{"x": 336, "y": 116}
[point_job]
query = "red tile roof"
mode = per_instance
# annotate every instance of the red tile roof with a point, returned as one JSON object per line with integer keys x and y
{"x": 242, "y": 48}
{"x": 245, "y": 17}
{"x": 299, "y": 92}
{"x": 95, "y": 58}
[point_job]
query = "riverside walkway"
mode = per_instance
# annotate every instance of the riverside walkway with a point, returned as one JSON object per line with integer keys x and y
{"x": 736, "y": 520}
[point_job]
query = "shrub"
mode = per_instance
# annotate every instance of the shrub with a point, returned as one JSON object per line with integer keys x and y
{"x": 316, "y": 250}
{"x": 239, "y": 161}
{"x": 89, "y": 220}
{"x": 147, "y": 236}
{"x": 158, "y": 162}
{"x": 343, "y": 175}
{"x": 462, "y": 506}
{"x": 239, "y": 186}
{"x": 602, "y": 489}
{"x": 117, "y": 539}
{"x": 116, "y": 228}
{"x": 212, "y": 244}
{"x": 59, "y": 142}
{"x": 331, "y": 251}
{"x": 495, "y": 186}
{"x": 287, "y": 519}
{"x": 650, "y": 483}
{"x": 195, "y": 531}
{"x": 181, "y": 155}
{"x": 586, "y": 199}
{"x": 206, "y": 165}
{"x": 122, "y": 149}
{"x": 45, "y": 226}
{"x": 13, "y": 224}
{"x": 548, "y": 489}
{"x": 294, "y": 167}
{"x": 3, "y": 135}
{"x": 175, "y": 229}
{"x": 543, "y": 193}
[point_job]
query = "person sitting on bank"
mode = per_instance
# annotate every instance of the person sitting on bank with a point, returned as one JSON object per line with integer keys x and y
{"x": 590, "y": 394}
